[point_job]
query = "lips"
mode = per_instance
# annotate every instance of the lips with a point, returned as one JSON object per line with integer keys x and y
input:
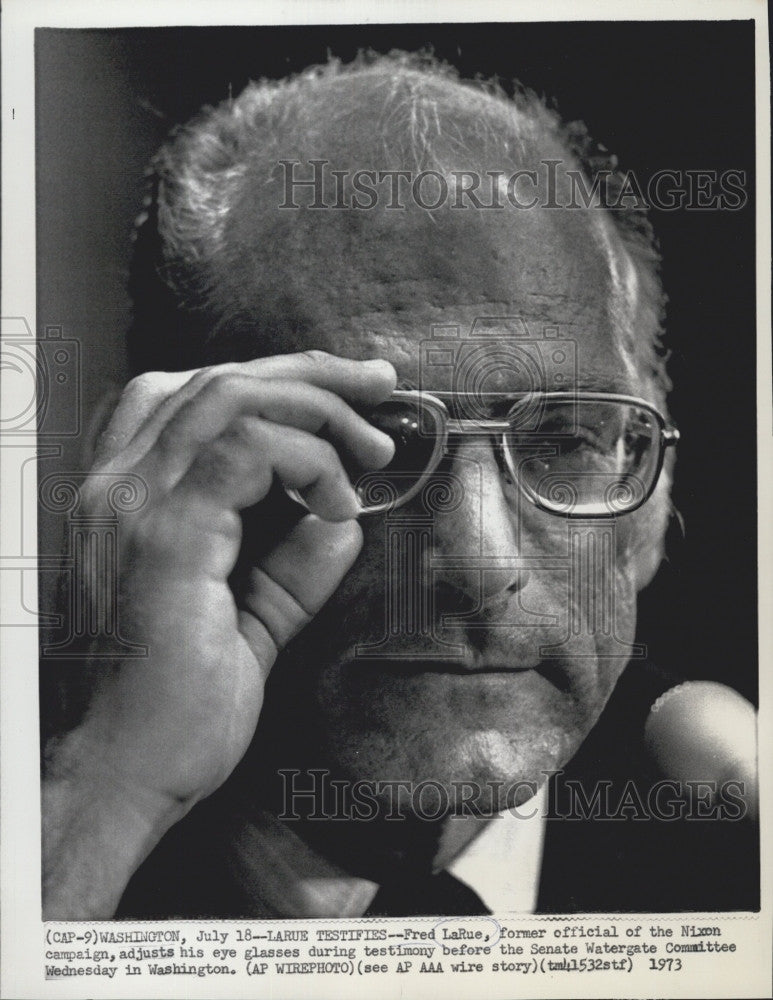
{"x": 412, "y": 664}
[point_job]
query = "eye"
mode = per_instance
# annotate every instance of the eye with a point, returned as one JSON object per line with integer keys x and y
{"x": 413, "y": 437}
{"x": 415, "y": 430}
{"x": 585, "y": 456}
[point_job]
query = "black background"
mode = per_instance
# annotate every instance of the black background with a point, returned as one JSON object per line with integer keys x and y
{"x": 676, "y": 95}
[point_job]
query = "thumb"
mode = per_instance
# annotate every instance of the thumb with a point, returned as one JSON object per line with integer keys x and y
{"x": 290, "y": 584}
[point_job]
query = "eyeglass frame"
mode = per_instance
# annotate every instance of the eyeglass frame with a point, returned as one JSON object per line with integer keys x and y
{"x": 667, "y": 437}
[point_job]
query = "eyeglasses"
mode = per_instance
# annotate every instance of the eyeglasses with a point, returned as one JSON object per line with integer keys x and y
{"x": 574, "y": 454}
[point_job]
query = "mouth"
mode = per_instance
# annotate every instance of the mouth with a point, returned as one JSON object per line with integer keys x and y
{"x": 409, "y": 665}
{"x": 466, "y": 667}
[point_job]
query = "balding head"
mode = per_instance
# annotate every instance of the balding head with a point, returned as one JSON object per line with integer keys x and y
{"x": 244, "y": 272}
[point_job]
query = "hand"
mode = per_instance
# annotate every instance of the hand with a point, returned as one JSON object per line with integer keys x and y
{"x": 163, "y": 731}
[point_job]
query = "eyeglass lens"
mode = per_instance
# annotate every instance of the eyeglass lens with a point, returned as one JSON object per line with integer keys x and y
{"x": 416, "y": 429}
{"x": 580, "y": 457}
{"x": 586, "y": 457}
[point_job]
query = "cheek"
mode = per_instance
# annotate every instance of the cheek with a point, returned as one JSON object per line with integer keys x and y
{"x": 641, "y": 536}
{"x": 369, "y": 573}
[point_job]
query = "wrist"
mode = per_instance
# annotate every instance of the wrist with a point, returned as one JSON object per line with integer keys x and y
{"x": 98, "y": 827}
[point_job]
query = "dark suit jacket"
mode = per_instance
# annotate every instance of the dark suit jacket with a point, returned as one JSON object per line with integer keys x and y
{"x": 632, "y": 863}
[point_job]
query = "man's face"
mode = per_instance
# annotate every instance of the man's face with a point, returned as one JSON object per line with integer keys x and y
{"x": 430, "y": 662}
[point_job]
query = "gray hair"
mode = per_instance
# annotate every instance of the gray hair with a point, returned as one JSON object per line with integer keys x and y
{"x": 184, "y": 275}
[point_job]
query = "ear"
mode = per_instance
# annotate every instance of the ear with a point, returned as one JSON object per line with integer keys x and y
{"x": 647, "y": 564}
{"x": 651, "y": 547}
{"x": 97, "y": 422}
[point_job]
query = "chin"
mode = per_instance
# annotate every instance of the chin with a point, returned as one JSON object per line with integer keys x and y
{"x": 393, "y": 754}
{"x": 439, "y": 742}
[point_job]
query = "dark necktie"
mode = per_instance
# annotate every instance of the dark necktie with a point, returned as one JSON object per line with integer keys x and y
{"x": 429, "y": 895}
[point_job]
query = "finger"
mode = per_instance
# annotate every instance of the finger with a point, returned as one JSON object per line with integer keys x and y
{"x": 233, "y": 396}
{"x": 141, "y": 399}
{"x": 151, "y": 400}
{"x": 361, "y": 383}
{"x": 237, "y": 469}
{"x": 290, "y": 584}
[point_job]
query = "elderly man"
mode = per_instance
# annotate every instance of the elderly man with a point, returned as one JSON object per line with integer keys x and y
{"x": 403, "y": 431}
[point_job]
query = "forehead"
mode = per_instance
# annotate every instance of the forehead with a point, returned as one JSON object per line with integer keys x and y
{"x": 487, "y": 287}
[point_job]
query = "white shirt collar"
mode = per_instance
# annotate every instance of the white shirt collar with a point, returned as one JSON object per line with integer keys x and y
{"x": 503, "y": 864}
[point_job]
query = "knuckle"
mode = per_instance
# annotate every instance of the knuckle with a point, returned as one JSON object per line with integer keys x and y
{"x": 226, "y": 382}
{"x": 146, "y": 391}
{"x": 243, "y": 432}
{"x": 226, "y": 368}
{"x": 317, "y": 358}
{"x": 202, "y": 376}
{"x": 147, "y": 384}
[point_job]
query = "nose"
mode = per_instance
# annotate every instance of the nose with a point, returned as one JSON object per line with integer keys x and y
{"x": 473, "y": 559}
